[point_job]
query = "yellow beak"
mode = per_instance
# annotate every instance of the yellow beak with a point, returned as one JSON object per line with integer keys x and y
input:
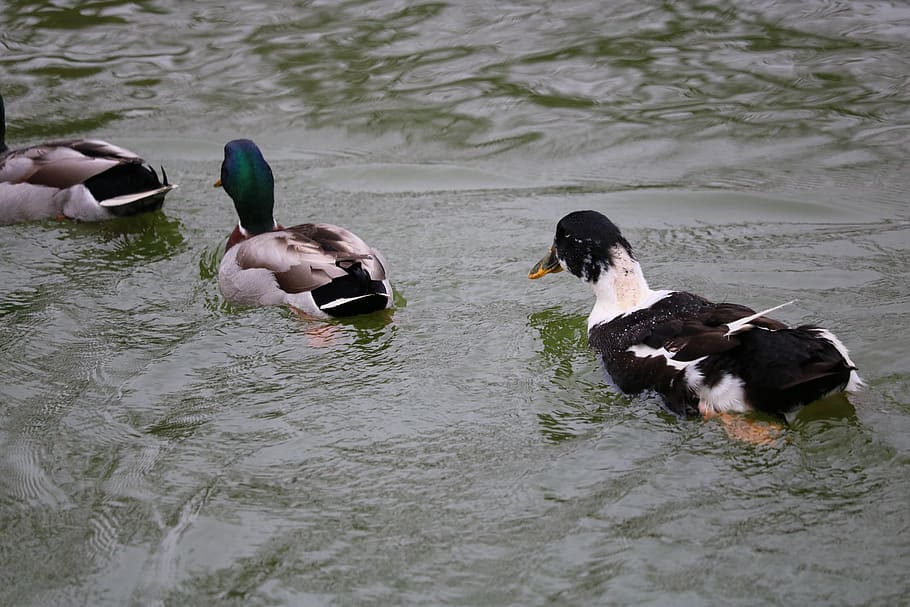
{"x": 217, "y": 184}
{"x": 548, "y": 265}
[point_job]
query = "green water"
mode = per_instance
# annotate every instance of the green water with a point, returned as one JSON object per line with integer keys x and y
{"x": 160, "y": 447}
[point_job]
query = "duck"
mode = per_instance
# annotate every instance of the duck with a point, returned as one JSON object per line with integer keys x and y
{"x": 78, "y": 179}
{"x": 319, "y": 270}
{"x": 702, "y": 358}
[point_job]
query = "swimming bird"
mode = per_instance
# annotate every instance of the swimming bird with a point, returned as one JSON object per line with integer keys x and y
{"x": 318, "y": 269}
{"x": 81, "y": 179}
{"x": 701, "y": 357}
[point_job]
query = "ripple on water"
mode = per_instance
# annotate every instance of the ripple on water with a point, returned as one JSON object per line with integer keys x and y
{"x": 160, "y": 445}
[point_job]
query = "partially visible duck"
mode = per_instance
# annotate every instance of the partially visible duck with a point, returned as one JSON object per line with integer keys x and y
{"x": 318, "y": 269}
{"x": 81, "y": 179}
{"x": 701, "y": 357}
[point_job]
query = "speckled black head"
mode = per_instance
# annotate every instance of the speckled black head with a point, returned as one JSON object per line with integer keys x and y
{"x": 248, "y": 180}
{"x": 586, "y": 242}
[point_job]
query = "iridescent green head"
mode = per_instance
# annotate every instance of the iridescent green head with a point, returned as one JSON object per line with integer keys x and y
{"x": 247, "y": 178}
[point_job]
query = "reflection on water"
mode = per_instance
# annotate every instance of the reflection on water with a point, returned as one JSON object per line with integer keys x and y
{"x": 366, "y": 337}
{"x": 573, "y": 370}
{"x": 834, "y": 410}
{"x": 561, "y": 335}
{"x": 161, "y": 446}
{"x": 150, "y": 237}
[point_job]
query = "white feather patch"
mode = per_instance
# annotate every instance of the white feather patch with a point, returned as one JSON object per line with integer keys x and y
{"x": 743, "y": 323}
{"x": 726, "y": 395}
{"x": 855, "y": 383}
{"x": 694, "y": 377}
{"x": 343, "y": 300}
{"x": 643, "y": 351}
{"x": 117, "y": 201}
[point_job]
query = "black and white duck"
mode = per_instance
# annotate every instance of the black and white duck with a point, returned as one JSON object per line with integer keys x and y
{"x": 318, "y": 269}
{"x": 701, "y": 357}
{"x": 80, "y": 179}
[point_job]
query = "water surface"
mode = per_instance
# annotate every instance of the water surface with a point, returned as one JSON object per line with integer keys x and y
{"x": 160, "y": 447}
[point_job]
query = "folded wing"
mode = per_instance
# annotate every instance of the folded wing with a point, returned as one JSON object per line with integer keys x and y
{"x": 308, "y": 256}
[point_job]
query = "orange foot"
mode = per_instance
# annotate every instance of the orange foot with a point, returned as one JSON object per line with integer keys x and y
{"x": 301, "y": 313}
{"x": 319, "y": 334}
{"x": 748, "y": 430}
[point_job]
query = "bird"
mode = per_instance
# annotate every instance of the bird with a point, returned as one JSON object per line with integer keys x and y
{"x": 318, "y": 269}
{"x": 78, "y": 179}
{"x": 702, "y": 358}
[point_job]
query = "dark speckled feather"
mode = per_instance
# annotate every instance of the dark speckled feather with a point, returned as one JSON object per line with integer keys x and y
{"x": 778, "y": 365}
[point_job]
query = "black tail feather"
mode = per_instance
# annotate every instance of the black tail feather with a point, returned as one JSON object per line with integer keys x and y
{"x": 370, "y": 294}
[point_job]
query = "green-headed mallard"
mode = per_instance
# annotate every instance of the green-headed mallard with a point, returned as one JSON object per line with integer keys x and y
{"x": 82, "y": 179}
{"x": 704, "y": 357}
{"x": 319, "y": 269}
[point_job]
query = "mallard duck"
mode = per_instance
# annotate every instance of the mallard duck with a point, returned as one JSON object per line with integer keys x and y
{"x": 701, "y": 357}
{"x": 81, "y": 179}
{"x": 318, "y": 269}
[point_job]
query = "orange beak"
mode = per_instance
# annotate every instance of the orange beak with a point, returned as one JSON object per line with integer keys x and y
{"x": 548, "y": 265}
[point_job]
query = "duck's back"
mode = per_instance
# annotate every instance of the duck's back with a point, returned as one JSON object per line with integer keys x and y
{"x": 683, "y": 347}
{"x": 320, "y": 269}
{"x": 785, "y": 369}
{"x": 85, "y": 179}
{"x": 612, "y": 340}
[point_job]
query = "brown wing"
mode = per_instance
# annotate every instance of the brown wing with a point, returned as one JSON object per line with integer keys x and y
{"x": 64, "y": 164}
{"x": 97, "y": 148}
{"x": 307, "y": 256}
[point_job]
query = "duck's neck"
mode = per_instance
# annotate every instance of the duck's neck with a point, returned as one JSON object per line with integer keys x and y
{"x": 240, "y": 234}
{"x": 236, "y": 237}
{"x": 620, "y": 288}
{"x": 256, "y": 214}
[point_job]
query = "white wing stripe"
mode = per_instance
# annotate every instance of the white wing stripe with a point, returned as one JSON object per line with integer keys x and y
{"x": 643, "y": 351}
{"x": 740, "y": 325}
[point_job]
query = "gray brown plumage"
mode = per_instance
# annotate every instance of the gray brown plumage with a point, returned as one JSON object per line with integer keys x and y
{"x": 317, "y": 268}
{"x": 82, "y": 179}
